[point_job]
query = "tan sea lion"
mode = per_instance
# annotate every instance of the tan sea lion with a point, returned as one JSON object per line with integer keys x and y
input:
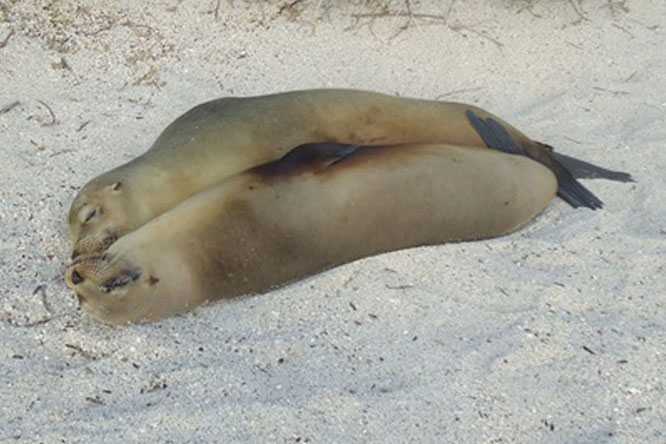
{"x": 220, "y": 138}
{"x": 320, "y": 206}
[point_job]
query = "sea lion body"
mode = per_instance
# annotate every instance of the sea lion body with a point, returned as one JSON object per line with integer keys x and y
{"x": 223, "y": 137}
{"x": 291, "y": 218}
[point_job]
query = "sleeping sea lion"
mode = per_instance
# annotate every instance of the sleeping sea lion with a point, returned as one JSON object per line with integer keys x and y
{"x": 223, "y": 137}
{"x": 320, "y": 206}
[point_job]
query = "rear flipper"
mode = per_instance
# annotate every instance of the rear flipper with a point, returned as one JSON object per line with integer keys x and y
{"x": 565, "y": 168}
{"x": 584, "y": 170}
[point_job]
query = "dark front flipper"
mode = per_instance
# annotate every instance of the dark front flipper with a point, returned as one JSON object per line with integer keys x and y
{"x": 308, "y": 157}
{"x": 565, "y": 168}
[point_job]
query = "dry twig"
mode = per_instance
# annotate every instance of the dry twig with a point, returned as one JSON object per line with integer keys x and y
{"x": 53, "y": 116}
{"x": 9, "y": 107}
{"x": 4, "y": 42}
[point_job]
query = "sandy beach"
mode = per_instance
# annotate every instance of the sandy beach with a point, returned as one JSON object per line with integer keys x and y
{"x": 553, "y": 334}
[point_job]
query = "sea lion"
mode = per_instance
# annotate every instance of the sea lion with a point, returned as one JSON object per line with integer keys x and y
{"x": 321, "y": 205}
{"x": 223, "y": 137}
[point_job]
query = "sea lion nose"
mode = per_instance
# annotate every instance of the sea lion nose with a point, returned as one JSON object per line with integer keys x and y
{"x": 76, "y": 278}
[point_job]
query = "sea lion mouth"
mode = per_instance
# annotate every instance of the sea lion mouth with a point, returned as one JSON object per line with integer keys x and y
{"x": 86, "y": 258}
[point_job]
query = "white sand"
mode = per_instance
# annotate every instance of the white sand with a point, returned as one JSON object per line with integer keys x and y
{"x": 554, "y": 334}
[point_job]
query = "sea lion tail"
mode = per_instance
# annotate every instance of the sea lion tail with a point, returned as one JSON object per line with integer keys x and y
{"x": 565, "y": 168}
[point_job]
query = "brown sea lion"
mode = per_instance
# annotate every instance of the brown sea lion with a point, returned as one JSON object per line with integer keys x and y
{"x": 320, "y": 206}
{"x": 223, "y": 137}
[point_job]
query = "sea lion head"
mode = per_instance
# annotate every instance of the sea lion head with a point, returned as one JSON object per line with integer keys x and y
{"x": 133, "y": 281}
{"x": 97, "y": 217}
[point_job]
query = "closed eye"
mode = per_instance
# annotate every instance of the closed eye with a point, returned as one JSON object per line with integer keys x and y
{"x": 92, "y": 213}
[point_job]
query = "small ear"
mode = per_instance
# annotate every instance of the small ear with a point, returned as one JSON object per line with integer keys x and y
{"x": 115, "y": 186}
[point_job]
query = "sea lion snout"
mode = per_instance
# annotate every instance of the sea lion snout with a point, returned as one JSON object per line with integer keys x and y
{"x": 94, "y": 242}
{"x": 85, "y": 269}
